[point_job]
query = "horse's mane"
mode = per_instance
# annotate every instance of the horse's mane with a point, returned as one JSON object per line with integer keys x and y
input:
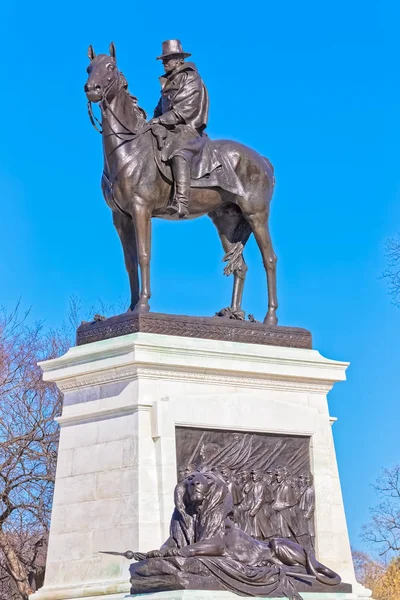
{"x": 210, "y": 518}
{"x": 133, "y": 98}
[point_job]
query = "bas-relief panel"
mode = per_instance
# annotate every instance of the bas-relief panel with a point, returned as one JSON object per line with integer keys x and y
{"x": 268, "y": 475}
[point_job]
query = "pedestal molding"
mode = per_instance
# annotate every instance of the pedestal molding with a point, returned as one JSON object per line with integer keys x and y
{"x": 101, "y": 414}
{"x": 85, "y": 590}
{"x": 151, "y": 349}
{"x": 217, "y": 377}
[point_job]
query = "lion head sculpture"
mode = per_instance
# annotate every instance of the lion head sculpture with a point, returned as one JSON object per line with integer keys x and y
{"x": 204, "y": 498}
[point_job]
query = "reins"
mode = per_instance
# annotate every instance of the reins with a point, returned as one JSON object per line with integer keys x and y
{"x": 98, "y": 126}
{"x": 93, "y": 119}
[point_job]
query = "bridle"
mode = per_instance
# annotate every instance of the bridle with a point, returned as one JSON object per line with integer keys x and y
{"x": 106, "y": 106}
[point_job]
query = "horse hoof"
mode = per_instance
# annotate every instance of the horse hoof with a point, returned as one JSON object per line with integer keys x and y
{"x": 141, "y": 307}
{"x": 271, "y": 320}
{"x": 231, "y": 313}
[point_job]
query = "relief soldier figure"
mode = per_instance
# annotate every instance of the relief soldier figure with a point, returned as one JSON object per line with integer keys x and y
{"x": 285, "y": 504}
{"x": 233, "y": 487}
{"x": 259, "y": 525}
{"x": 306, "y": 509}
{"x": 244, "y": 507}
{"x": 270, "y": 515}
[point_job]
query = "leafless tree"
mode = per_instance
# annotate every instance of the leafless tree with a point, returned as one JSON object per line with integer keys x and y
{"x": 383, "y": 531}
{"x": 366, "y": 567}
{"x": 28, "y": 450}
{"x": 29, "y": 443}
{"x": 392, "y": 271}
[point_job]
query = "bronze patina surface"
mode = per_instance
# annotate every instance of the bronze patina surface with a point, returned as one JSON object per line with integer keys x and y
{"x": 209, "y": 328}
{"x": 208, "y": 548}
{"x": 170, "y": 169}
{"x": 268, "y": 475}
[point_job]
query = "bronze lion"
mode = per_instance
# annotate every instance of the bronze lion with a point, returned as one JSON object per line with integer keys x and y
{"x": 207, "y": 550}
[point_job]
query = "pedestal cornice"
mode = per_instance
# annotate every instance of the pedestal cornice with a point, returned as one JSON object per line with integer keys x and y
{"x": 145, "y": 355}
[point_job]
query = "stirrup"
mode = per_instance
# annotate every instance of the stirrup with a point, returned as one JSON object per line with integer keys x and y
{"x": 177, "y": 208}
{"x": 172, "y": 209}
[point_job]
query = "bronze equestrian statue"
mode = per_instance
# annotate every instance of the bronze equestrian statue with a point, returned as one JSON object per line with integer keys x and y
{"x": 169, "y": 168}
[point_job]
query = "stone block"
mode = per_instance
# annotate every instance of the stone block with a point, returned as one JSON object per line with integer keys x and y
{"x": 129, "y": 511}
{"x": 148, "y": 482}
{"x": 74, "y": 546}
{"x": 78, "y": 434}
{"x": 98, "y": 458}
{"x": 116, "y": 428}
{"x": 53, "y": 572}
{"x": 64, "y": 462}
{"x": 58, "y": 518}
{"x": 130, "y": 453}
{"x": 89, "y": 516}
{"x": 149, "y": 507}
{"x": 116, "y": 539}
{"x": 116, "y": 483}
{"x": 80, "y": 488}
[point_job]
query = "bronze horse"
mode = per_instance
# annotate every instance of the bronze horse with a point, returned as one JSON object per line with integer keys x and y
{"x": 136, "y": 191}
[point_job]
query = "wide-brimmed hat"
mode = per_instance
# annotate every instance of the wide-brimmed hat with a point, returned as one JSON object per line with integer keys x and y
{"x": 171, "y": 47}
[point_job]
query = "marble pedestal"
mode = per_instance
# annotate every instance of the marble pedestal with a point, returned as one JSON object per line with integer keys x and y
{"x": 116, "y": 472}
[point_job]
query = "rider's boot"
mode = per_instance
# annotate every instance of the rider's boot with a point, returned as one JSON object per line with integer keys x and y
{"x": 181, "y": 173}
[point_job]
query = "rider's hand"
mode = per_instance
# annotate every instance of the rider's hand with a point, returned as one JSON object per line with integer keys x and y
{"x": 154, "y": 121}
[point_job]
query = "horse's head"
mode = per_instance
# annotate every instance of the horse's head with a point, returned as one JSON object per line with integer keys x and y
{"x": 103, "y": 75}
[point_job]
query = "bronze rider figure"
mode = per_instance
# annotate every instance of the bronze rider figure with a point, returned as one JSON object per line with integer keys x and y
{"x": 183, "y": 113}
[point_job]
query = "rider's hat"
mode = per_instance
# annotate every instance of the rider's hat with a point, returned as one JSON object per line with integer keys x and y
{"x": 171, "y": 47}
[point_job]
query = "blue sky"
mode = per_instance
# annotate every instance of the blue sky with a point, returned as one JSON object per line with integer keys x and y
{"x": 314, "y": 86}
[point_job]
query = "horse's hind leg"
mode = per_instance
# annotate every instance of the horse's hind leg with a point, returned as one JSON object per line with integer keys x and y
{"x": 234, "y": 231}
{"x": 126, "y": 231}
{"x": 260, "y": 228}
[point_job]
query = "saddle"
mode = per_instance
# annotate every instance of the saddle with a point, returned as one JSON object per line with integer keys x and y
{"x": 220, "y": 173}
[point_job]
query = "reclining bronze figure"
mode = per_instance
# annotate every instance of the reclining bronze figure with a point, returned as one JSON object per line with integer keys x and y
{"x": 208, "y": 550}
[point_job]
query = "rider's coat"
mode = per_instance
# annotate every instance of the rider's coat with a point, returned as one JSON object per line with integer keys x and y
{"x": 183, "y": 110}
{"x": 184, "y": 98}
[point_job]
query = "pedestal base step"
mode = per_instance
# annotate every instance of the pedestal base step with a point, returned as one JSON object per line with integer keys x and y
{"x": 208, "y": 328}
{"x": 218, "y": 595}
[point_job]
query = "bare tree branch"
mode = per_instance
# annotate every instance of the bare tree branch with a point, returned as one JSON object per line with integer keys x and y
{"x": 28, "y": 449}
{"x": 392, "y": 271}
{"x": 383, "y": 531}
{"x": 28, "y": 443}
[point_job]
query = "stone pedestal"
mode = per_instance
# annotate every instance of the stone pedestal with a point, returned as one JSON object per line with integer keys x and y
{"x": 216, "y": 595}
{"x": 116, "y": 472}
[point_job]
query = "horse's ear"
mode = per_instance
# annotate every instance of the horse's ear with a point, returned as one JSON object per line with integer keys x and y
{"x": 91, "y": 53}
{"x": 112, "y": 51}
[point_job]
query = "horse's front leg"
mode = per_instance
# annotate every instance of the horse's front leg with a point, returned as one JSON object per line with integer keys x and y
{"x": 126, "y": 231}
{"x": 141, "y": 216}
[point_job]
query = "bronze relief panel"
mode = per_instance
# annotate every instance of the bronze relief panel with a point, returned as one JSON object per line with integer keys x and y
{"x": 269, "y": 477}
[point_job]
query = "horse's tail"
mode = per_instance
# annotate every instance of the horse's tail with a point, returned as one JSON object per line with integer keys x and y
{"x": 270, "y": 170}
{"x": 322, "y": 573}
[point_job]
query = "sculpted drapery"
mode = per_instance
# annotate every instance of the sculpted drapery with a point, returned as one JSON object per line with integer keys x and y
{"x": 207, "y": 550}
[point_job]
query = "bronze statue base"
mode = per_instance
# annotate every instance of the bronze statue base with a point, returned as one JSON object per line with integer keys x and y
{"x": 201, "y": 583}
{"x": 168, "y": 574}
{"x": 209, "y": 328}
